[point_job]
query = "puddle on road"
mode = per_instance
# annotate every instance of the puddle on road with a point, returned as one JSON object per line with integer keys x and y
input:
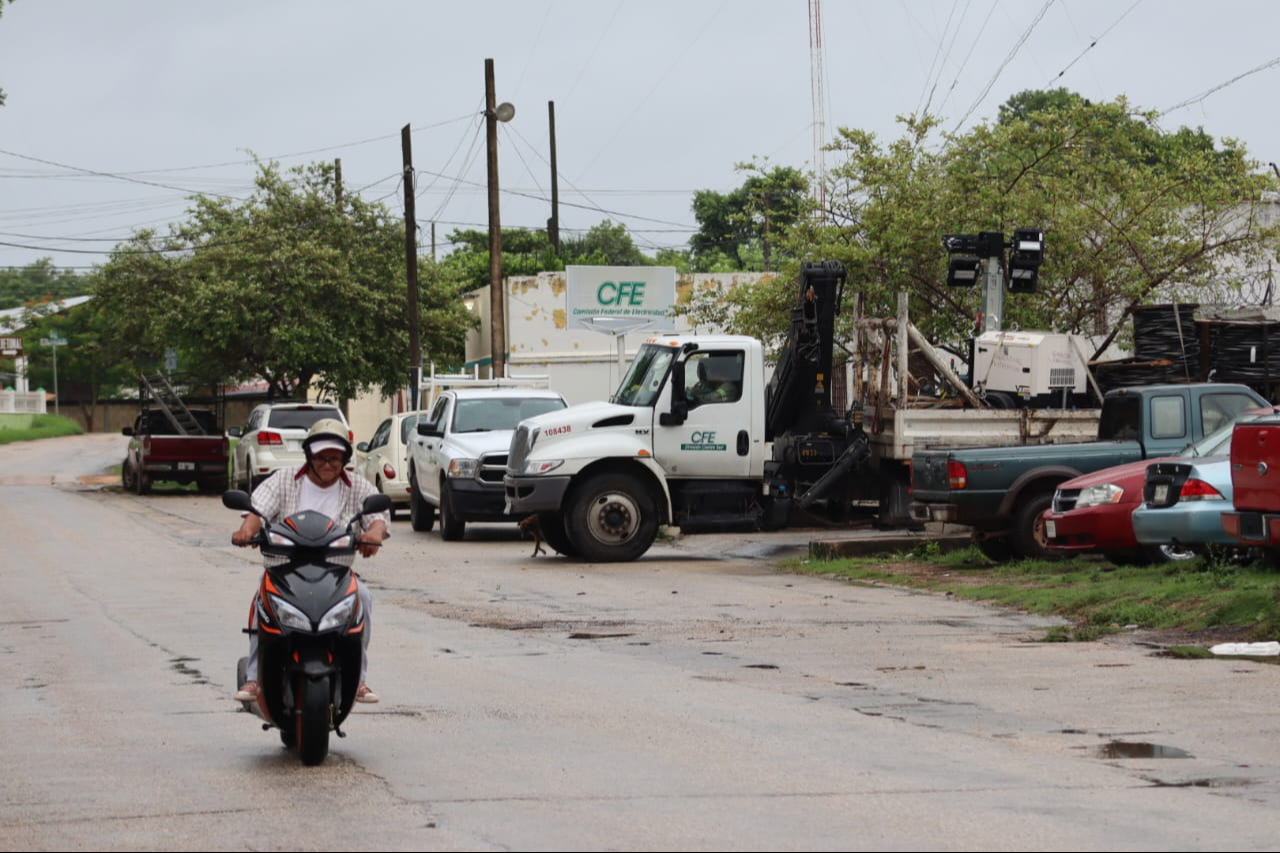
{"x": 1126, "y": 749}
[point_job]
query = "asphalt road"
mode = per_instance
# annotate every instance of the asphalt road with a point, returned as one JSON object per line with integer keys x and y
{"x": 696, "y": 699}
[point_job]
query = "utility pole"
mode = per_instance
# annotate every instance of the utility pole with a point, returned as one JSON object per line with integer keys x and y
{"x": 553, "y": 224}
{"x": 411, "y": 265}
{"x": 497, "y": 323}
{"x": 337, "y": 183}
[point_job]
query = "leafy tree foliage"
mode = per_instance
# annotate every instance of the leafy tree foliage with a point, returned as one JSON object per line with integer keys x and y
{"x": 738, "y": 230}
{"x": 1130, "y": 213}
{"x": 37, "y": 282}
{"x": 285, "y": 286}
{"x": 530, "y": 252}
{"x": 90, "y": 367}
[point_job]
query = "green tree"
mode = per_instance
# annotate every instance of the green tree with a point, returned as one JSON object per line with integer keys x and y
{"x": 740, "y": 230}
{"x": 90, "y": 367}
{"x": 526, "y": 253}
{"x": 284, "y": 286}
{"x": 39, "y": 281}
{"x": 1129, "y": 213}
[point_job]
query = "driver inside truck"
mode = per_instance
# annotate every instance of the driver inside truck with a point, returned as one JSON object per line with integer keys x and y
{"x": 717, "y": 381}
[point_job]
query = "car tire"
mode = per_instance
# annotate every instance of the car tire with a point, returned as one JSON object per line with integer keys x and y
{"x": 422, "y": 515}
{"x": 141, "y": 482}
{"x": 126, "y": 476}
{"x": 1028, "y": 538}
{"x": 611, "y": 518}
{"x": 452, "y": 528}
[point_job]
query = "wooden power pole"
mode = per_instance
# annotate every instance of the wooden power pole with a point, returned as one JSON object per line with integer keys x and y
{"x": 497, "y": 324}
{"x": 411, "y": 266}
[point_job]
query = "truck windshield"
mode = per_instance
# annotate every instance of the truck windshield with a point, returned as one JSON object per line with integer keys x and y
{"x": 643, "y": 381}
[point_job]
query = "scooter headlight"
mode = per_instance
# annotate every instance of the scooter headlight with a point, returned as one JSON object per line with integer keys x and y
{"x": 277, "y": 539}
{"x": 341, "y": 542}
{"x": 339, "y": 614}
{"x": 289, "y": 616}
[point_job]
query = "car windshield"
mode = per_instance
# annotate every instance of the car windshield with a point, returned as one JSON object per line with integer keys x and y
{"x": 500, "y": 413}
{"x": 643, "y": 381}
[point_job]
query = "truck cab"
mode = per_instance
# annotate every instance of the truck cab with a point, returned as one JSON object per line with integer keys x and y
{"x": 681, "y": 441}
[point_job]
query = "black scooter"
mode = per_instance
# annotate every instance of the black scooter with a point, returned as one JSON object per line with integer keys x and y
{"x": 310, "y": 626}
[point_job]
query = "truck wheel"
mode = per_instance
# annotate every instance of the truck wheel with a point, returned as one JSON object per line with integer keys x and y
{"x": 1028, "y": 538}
{"x": 611, "y": 518}
{"x": 451, "y": 527}
{"x": 126, "y": 476}
{"x": 141, "y": 482}
{"x": 422, "y": 515}
{"x": 1168, "y": 553}
{"x": 996, "y": 549}
{"x": 553, "y": 533}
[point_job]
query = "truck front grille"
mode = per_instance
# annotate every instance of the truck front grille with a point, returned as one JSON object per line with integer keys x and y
{"x": 492, "y": 467}
{"x": 519, "y": 449}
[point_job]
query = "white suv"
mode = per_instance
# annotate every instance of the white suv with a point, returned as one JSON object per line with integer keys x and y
{"x": 458, "y": 455}
{"x": 272, "y": 438}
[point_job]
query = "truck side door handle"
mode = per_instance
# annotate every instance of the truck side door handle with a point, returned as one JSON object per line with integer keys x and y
{"x": 744, "y": 443}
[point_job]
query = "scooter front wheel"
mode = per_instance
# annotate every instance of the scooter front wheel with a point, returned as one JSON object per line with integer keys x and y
{"x": 312, "y": 728}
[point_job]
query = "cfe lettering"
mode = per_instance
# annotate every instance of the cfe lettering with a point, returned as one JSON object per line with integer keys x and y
{"x": 703, "y": 440}
{"x": 619, "y": 293}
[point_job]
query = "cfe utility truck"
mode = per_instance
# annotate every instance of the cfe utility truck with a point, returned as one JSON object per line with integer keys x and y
{"x": 699, "y": 436}
{"x": 694, "y": 436}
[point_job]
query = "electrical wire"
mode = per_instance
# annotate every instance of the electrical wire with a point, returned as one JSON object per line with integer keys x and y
{"x": 1198, "y": 98}
{"x": 1093, "y": 43}
{"x": 1013, "y": 51}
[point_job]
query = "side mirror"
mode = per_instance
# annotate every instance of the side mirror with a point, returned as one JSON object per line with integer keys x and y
{"x": 127, "y": 431}
{"x": 235, "y": 432}
{"x": 376, "y": 503}
{"x": 363, "y": 447}
{"x": 236, "y": 499}
{"x": 428, "y": 430}
{"x": 679, "y": 406}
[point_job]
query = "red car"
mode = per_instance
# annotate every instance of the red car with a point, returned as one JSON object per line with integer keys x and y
{"x": 1092, "y": 512}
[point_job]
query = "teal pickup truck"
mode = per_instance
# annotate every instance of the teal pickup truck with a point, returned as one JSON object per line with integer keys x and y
{"x": 1002, "y": 492}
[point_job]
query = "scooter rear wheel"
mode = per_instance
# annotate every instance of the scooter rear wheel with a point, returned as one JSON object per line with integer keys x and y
{"x": 313, "y": 720}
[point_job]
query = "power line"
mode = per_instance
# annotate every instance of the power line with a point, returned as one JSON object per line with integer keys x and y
{"x": 1093, "y": 43}
{"x": 1198, "y": 98}
{"x": 1026, "y": 34}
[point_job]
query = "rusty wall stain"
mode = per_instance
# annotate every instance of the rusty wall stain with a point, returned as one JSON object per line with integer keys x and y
{"x": 560, "y": 317}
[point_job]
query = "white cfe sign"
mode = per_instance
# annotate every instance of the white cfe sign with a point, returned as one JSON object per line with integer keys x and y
{"x": 641, "y": 295}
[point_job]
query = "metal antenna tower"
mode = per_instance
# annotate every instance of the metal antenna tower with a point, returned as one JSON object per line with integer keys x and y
{"x": 817, "y": 87}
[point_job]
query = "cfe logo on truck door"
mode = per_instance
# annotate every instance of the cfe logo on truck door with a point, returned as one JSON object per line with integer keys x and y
{"x": 703, "y": 439}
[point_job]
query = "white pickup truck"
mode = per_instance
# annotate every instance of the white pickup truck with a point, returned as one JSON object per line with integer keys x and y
{"x": 458, "y": 455}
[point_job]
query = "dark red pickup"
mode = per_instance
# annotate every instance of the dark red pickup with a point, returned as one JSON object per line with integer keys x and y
{"x": 158, "y": 451}
{"x": 1255, "y": 483}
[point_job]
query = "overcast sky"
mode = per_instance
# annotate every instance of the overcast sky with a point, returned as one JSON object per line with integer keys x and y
{"x": 653, "y": 99}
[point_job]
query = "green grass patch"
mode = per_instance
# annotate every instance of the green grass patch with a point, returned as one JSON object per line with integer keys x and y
{"x": 40, "y": 426}
{"x": 1096, "y": 596}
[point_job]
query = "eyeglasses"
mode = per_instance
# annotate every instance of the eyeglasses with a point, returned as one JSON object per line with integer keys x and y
{"x": 331, "y": 461}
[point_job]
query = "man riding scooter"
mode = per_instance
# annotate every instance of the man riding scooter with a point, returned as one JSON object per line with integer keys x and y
{"x": 320, "y": 485}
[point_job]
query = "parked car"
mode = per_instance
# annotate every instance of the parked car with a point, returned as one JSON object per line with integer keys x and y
{"x": 384, "y": 459}
{"x": 272, "y": 438}
{"x": 160, "y": 450}
{"x": 1093, "y": 512}
{"x": 458, "y": 456}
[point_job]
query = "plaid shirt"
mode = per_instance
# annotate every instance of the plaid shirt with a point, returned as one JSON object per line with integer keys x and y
{"x": 280, "y": 496}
